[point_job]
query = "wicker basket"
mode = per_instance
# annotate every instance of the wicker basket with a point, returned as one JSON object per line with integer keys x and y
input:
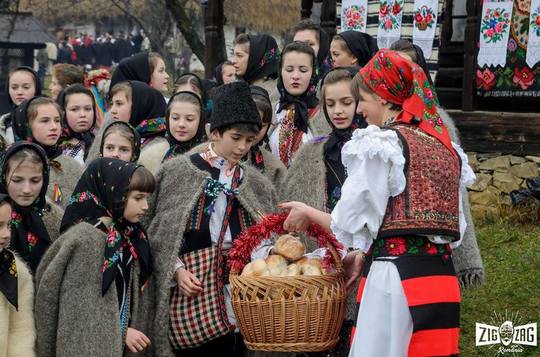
{"x": 290, "y": 314}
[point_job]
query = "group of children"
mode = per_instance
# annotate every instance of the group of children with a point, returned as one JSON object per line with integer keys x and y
{"x": 114, "y": 237}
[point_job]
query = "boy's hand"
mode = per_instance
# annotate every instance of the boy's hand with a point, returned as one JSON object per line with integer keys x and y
{"x": 136, "y": 341}
{"x": 188, "y": 283}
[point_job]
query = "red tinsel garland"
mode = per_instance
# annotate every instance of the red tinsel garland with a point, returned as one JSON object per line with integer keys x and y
{"x": 93, "y": 77}
{"x": 249, "y": 239}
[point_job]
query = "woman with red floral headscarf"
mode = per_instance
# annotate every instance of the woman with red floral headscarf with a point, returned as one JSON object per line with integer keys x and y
{"x": 399, "y": 214}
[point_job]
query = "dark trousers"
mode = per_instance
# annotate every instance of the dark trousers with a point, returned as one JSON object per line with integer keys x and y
{"x": 231, "y": 345}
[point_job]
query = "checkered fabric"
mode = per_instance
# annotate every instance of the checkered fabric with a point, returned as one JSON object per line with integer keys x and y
{"x": 197, "y": 320}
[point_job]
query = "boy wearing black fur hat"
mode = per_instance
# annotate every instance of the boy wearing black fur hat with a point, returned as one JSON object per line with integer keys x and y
{"x": 202, "y": 203}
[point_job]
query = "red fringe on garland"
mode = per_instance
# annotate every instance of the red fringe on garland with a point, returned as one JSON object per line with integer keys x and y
{"x": 249, "y": 239}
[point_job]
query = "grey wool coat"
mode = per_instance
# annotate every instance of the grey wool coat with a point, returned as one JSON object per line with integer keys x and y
{"x": 66, "y": 178}
{"x": 274, "y": 170}
{"x": 72, "y": 317}
{"x": 466, "y": 257}
{"x": 179, "y": 186}
{"x": 52, "y": 219}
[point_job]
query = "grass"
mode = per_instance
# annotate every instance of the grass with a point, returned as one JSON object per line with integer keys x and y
{"x": 511, "y": 256}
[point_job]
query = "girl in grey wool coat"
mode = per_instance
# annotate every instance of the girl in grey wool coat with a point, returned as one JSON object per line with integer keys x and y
{"x": 91, "y": 285}
{"x": 35, "y": 221}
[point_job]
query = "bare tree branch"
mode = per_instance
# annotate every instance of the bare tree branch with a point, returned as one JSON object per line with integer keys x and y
{"x": 130, "y": 15}
{"x": 184, "y": 24}
{"x": 156, "y": 42}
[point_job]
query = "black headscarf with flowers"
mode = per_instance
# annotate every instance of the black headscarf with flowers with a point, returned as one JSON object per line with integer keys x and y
{"x": 255, "y": 152}
{"x": 147, "y": 110}
{"x": 102, "y": 192}
{"x": 263, "y": 58}
{"x": 8, "y": 269}
{"x": 29, "y": 236}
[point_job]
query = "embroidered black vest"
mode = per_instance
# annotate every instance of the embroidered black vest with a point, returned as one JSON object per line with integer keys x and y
{"x": 429, "y": 205}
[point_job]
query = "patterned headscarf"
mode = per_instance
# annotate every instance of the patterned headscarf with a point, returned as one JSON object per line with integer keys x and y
{"x": 102, "y": 192}
{"x": 402, "y": 82}
{"x": 263, "y": 58}
{"x": 29, "y": 236}
{"x": 147, "y": 110}
{"x": 8, "y": 270}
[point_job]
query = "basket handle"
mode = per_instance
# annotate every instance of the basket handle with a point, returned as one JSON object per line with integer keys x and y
{"x": 338, "y": 263}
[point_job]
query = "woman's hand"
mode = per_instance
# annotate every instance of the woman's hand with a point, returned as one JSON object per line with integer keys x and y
{"x": 298, "y": 219}
{"x": 136, "y": 341}
{"x": 188, "y": 283}
{"x": 353, "y": 263}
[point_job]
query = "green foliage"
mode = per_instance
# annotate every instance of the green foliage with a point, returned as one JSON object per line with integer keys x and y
{"x": 511, "y": 255}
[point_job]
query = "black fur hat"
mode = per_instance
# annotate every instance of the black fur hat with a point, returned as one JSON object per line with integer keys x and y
{"x": 232, "y": 104}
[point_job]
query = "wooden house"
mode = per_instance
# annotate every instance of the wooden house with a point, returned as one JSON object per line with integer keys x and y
{"x": 496, "y": 108}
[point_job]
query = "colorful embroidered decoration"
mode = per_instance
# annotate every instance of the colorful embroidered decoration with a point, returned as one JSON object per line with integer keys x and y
{"x": 152, "y": 126}
{"x": 399, "y": 246}
{"x": 290, "y": 138}
{"x": 334, "y": 198}
{"x": 533, "y": 44}
{"x": 83, "y": 196}
{"x": 212, "y": 190}
{"x": 425, "y": 24}
{"x": 494, "y": 24}
{"x": 390, "y": 14}
{"x": 270, "y": 56}
{"x": 494, "y": 32}
{"x": 57, "y": 193}
{"x": 354, "y": 15}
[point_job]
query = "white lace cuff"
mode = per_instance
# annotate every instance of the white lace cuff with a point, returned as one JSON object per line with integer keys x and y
{"x": 467, "y": 174}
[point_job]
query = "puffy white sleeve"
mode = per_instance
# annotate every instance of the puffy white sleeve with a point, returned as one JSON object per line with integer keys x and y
{"x": 467, "y": 178}
{"x": 374, "y": 162}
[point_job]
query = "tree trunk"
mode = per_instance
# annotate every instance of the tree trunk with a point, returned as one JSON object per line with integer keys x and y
{"x": 215, "y": 37}
{"x": 184, "y": 24}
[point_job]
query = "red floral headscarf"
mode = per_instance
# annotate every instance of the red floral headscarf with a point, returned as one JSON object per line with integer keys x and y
{"x": 402, "y": 82}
